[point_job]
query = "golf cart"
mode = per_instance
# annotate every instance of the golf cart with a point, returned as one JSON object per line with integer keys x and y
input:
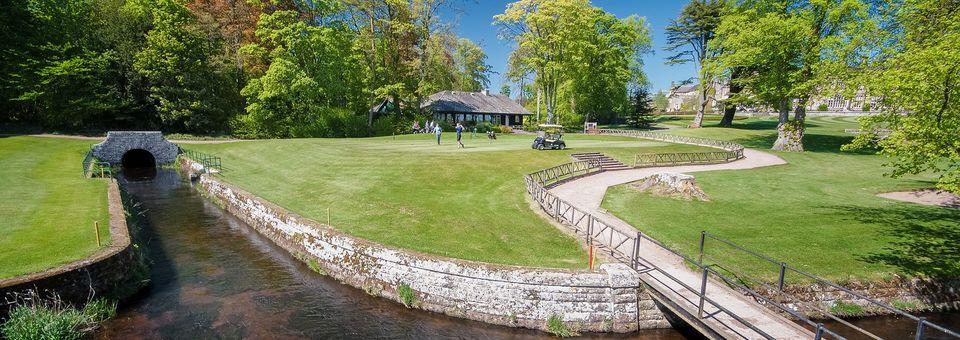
{"x": 549, "y": 136}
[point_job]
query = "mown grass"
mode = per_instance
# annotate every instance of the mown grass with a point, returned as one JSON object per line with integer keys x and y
{"x": 47, "y": 210}
{"x": 408, "y": 192}
{"x": 819, "y": 213}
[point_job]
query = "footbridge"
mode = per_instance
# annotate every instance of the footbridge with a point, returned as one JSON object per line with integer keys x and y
{"x": 712, "y": 303}
{"x": 135, "y": 149}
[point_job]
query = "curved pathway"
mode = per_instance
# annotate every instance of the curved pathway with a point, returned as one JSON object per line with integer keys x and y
{"x": 587, "y": 194}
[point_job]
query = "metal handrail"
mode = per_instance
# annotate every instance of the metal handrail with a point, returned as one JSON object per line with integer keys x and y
{"x": 208, "y": 161}
{"x": 784, "y": 267}
{"x": 588, "y": 225}
{"x": 91, "y": 166}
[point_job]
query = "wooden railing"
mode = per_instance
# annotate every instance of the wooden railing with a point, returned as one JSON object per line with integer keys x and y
{"x": 731, "y": 151}
{"x": 645, "y": 160}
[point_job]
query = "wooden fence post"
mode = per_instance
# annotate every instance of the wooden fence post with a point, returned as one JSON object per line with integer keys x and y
{"x": 96, "y": 231}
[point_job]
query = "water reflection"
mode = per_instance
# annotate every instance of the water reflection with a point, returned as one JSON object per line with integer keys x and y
{"x": 214, "y": 277}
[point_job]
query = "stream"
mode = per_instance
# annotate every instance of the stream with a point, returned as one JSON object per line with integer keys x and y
{"x": 212, "y": 276}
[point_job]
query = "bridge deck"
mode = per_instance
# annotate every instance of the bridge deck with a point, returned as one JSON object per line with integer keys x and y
{"x": 659, "y": 264}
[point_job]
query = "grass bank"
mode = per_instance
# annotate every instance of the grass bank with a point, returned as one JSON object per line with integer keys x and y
{"x": 408, "y": 192}
{"x": 819, "y": 212}
{"x": 47, "y": 210}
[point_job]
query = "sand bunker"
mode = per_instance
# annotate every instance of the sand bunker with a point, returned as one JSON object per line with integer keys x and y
{"x": 926, "y": 196}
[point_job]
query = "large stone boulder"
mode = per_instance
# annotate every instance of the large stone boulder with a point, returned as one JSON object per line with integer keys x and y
{"x": 671, "y": 184}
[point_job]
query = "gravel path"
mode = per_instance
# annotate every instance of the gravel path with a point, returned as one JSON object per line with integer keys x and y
{"x": 587, "y": 194}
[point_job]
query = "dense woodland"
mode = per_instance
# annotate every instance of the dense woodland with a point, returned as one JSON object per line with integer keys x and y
{"x": 298, "y": 68}
{"x": 280, "y": 68}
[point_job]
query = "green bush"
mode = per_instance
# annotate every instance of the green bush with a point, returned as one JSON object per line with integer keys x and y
{"x": 55, "y": 320}
{"x": 842, "y": 308}
{"x": 503, "y": 129}
{"x": 484, "y": 127}
{"x": 822, "y": 107}
{"x": 556, "y": 327}
{"x": 866, "y": 107}
{"x": 406, "y": 294}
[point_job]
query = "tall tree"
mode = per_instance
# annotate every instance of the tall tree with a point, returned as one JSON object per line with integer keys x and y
{"x": 917, "y": 76}
{"x": 471, "y": 65}
{"x": 641, "y": 108}
{"x": 561, "y": 43}
{"x": 187, "y": 83}
{"x": 689, "y": 37}
{"x": 793, "y": 49}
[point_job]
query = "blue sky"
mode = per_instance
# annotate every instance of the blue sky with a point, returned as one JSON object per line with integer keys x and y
{"x": 474, "y": 17}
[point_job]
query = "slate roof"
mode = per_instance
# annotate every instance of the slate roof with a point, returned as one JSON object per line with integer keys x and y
{"x": 472, "y": 102}
{"x": 685, "y": 88}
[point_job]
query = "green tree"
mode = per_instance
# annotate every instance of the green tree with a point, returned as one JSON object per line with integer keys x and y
{"x": 793, "y": 49}
{"x": 315, "y": 76}
{"x": 660, "y": 101}
{"x": 641, "y": 108}
{"x": 471, "y": 65}
{"x": 689, "y": 37}
{"x": 505, "y": 90}
{"x": 916, "y": 75}
{"x": 581, "y": 58}
{"x": 186, "y": 82}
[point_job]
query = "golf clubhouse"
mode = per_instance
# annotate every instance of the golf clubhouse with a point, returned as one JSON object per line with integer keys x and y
{"x": 458, "y": 106}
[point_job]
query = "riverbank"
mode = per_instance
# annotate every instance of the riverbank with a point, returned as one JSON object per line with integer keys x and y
{"x": 606, "y": 300}
{"x": 48, "y": 211}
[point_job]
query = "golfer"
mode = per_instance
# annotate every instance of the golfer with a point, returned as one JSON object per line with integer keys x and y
{"x": 437, "y": 131}
{"x": 459, "y": 135}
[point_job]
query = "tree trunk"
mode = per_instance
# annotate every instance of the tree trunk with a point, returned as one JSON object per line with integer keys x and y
{"x": 730, "y": 109}
{"x": 790, "y": 133}
{"x": 698, "y": 119}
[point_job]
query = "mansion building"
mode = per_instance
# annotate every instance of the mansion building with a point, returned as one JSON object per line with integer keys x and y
{"x": 684, "y": 98}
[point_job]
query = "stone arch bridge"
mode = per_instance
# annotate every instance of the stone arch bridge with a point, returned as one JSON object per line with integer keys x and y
{"x": 136, "y": 149}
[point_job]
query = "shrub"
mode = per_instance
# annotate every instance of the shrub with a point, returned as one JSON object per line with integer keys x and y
{"x": 841, "y": 308}
{"x": 866, "y": 107}
{"x": 503, "y": 129}
{"x": 53, "y": 319}
{"x": 406, "y": 294}
{"x": 822, "y": 107}
{"x": 484, "y": 127}
{"x": 556, "y": 327}
{"x": 385, "y": 126}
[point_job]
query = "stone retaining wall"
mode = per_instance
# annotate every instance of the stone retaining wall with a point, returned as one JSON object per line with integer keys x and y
{"x": 608, "y": 300}
{"x": 104, "y": 273}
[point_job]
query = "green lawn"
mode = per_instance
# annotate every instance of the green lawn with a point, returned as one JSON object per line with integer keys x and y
{"x": 47, "y": 209}
{"x": 406, "y": 191}
{"x": 819, "y": 212}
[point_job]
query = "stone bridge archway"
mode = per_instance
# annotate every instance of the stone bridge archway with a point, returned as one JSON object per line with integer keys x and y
{"x": 121, "y": 143}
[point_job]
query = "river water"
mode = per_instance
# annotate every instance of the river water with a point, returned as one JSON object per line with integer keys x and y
{"x": 212, "y": 276}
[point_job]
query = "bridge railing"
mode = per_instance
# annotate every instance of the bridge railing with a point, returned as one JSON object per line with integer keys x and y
{"x": 621, "y": 245}
{"x": 92, "y": 167}
{"x": 208, "y": 161}
{"x": 784, "y": 270}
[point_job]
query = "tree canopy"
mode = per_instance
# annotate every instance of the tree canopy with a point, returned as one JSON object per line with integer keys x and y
{"x": 581, "y": 58}
{"x": 260, "y": 68}
{"x": 916, "y": 73}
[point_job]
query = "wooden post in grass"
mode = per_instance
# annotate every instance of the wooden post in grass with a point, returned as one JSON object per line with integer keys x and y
{"x": 96, "y": 231}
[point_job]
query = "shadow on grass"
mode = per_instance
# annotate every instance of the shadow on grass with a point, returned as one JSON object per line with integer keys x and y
{"x": 924, "y": 240}
{"x": 812, "y": 142}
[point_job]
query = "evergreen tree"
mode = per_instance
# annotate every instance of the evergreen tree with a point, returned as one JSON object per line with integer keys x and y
{"x": 641, "y": 109}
